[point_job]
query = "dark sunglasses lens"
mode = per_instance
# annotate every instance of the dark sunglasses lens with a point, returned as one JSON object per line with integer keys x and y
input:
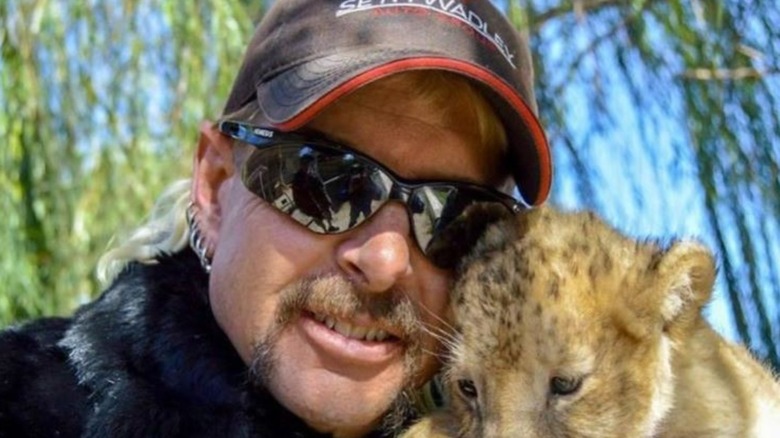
{"x": 448, "y": 220}
{"x": 363, "y": 189}
{"x": 325, "y": 189}
{"x": 430, "y": 207}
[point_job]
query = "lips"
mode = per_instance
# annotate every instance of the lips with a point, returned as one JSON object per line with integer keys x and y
{"x": 351, "y": 341}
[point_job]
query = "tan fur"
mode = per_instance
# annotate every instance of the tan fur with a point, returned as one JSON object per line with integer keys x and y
{"x": 553, "y": 294}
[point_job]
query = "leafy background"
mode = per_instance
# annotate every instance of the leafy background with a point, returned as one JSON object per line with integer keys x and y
{"x": 663, "y": 116}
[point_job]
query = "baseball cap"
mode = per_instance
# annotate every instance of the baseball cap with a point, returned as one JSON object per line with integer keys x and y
{"x": 305, "y": 54}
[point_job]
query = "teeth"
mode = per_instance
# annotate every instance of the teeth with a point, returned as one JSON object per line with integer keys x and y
{"x": 352, "y": 331}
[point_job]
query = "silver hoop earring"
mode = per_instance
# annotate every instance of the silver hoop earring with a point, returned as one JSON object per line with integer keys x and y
{"x": 197, "y": 242}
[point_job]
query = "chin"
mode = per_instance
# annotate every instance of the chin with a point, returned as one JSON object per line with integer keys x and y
{"x": 332, "y": 394}
{"x": 335, "y": 403}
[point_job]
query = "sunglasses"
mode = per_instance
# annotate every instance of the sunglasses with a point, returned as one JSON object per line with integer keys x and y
{"x": 330, "y": 188}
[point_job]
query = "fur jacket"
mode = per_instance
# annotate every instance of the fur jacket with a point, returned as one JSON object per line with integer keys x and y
{"x": 146, "y": 359}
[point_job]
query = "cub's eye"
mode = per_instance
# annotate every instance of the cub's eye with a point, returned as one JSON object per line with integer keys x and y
{"x": 467, "y": 389}
{"x": 565, "y": 385}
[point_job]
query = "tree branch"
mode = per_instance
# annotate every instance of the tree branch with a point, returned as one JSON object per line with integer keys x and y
{"x": 726, "y": 74}
{"x": 580, "y": 7}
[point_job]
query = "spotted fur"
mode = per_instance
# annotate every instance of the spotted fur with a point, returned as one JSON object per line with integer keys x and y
{"x": 564, "y": 327}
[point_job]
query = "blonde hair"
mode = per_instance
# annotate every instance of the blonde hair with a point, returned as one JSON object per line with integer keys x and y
{"x": 165, "y": 230}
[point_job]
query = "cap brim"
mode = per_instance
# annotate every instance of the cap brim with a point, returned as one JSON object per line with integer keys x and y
{"x": 290, "y": 99}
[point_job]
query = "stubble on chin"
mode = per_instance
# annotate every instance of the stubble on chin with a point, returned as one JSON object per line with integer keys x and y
{"x": 335, "y": 296}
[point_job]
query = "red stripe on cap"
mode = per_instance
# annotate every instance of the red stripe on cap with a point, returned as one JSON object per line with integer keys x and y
{"x": 470, "y": 70}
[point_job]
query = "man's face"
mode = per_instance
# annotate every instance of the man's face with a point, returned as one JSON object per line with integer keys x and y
{"x": 333, "y": 322}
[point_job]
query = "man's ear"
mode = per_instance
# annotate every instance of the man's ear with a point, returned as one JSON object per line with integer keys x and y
{"x": 212, "y": 165}
{"x": 686, "y": 274}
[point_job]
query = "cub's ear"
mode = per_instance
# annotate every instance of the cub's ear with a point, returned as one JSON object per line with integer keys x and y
{"x": 458, "y": 239}
{"x": 686, "y": 273}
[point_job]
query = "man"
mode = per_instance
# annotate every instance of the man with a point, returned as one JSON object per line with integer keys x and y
{"x": 309, "y": 193}
{"x": 270, "y": 325}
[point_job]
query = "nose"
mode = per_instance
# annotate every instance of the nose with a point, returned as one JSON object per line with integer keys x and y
{"x": 377, "y": 254}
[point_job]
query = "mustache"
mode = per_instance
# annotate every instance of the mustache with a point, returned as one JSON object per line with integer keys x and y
{"x": 338, "y": 297}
